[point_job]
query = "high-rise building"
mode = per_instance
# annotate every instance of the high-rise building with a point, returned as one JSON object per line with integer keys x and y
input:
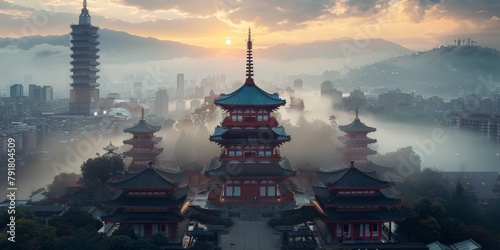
{"x": 84, "y": 95}
{"x": 161, "y": 103}
{"x": 16, "y": 91}
{"x": 35, "y": 93}
{"x": 180, "y": 85}
{"x": 138, "y": 89}
{"x": 47, "y": 94}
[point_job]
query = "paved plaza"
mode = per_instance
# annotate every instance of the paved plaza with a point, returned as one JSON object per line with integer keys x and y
{"x": 250, "y": 235}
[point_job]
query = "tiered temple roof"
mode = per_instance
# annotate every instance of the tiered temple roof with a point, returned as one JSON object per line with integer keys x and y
{"x": 351, "y": 195}
{"x": 352, "y": 178}
{"x": 148, "y": 196}
{"x": 261, "y": 135}
{"x": 249, "y": 96}
{"x": 356, "y": 126}
{"x": 149, "y": 178}
{"x": 142, "y": 127}
{"x": 268, "y": 170}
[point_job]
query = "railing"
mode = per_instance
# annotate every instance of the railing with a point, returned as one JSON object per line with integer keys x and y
{"x": 228, "y": 122}
{"x": 113, "y": 229}
{"x": 386, "y": 234}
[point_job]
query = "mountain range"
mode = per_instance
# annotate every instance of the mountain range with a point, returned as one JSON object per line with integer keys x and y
{"x": 116, "y": 46}
{"x": 447, "y": 70}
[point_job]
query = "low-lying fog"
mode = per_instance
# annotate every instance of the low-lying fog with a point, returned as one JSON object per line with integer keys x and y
{"x": 438, "y": 146}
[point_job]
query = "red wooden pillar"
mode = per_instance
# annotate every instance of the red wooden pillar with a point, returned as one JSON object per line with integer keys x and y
{"x": 379, "y": 231}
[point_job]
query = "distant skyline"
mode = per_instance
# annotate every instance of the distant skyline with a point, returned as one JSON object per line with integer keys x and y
{"x": 415, "y": 24}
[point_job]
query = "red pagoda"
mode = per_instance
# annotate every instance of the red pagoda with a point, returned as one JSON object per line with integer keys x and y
{"x": 356, "y": 147}
{"x": 149, "y": 202}
{"x": 353, "y": 205}
{"x": 250, "y": 169}
{"x": 356, "y": 142}
{"x": 143, "y": 143}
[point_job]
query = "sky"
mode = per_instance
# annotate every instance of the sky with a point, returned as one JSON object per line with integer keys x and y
{"x": 415, "y": 24}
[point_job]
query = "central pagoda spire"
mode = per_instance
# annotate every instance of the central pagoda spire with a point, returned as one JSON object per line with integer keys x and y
{"x": 249, "y": 80}
{"x": 85, "y": 16}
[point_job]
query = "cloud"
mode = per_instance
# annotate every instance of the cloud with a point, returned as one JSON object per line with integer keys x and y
{"x": 194, "y": 7}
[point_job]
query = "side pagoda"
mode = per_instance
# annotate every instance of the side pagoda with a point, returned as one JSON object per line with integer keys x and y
{"x": 149, "y": 202}
{"x": 356, "y": 141}
{"x": 250, "y": 169}
{"x": 353, "y": 205}
{"x": 143, "y": 143}
{"x": 356, "y": 147}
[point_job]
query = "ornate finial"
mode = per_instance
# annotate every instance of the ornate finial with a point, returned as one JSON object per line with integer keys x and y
{"x": 85, "y": 18}
{"x": 357, "y": 114}
{"x": 142, "y": 115}
{"x": 249, "y": 80}
{"x": 150, "y": 164}
{"x": 352, "y": 164}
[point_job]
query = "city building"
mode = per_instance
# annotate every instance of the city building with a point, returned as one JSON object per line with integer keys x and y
{"x": 47, "y": 94}
{"x": 356, "y": 99}
{"x": 180, "y": 106}
{"x": 394, "y": 98}
{"x": 35, "y": 93}
{"x": 161, "y": 103}
{"x": 138, "y": 90}
{"x": 143, "y": 143}
{"x": 328, "y": 91}
{"x": 353, "y": 207}
{"x": 326, "y": 88}
{"x": 194, "y": 104}
{"x": 84, "y": 95}
{"x": 486, "y": 126}
{"x": 298, "y": 84}
{"x": 24, "y": 135}
{"x": 250, "y": 169}
{"x": 180, "y": 86}
{"x": 16, "y": 91}
{"x": 149, "y": 202}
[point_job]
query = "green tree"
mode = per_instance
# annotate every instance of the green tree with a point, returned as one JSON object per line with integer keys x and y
{"x": 84, "y": 238}
{"x": 428, "y": 230}
{"x": 463, "y": 204}
{"x": 159, "y": 239}
{"x": 30, "y": 236}
{"x": 453, "y": 230}
{"x": 125, "y": 231}
{"x": 120, "y": 242}
{"x": 60, "y": 183}
{"x": 96, "y": 173}
{"x": 73, "y": 219}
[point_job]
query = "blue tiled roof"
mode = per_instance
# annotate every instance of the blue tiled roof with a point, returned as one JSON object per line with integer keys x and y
{"x": 352, "y": 178}
{"x": 150, "y": 178}
{"x": 356, "y": 126}
{"x": 249, "y": 169}
{"x": 142, "y": 127}
{"x": 249, "y": 95}
{"x": 263, "y": 135}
